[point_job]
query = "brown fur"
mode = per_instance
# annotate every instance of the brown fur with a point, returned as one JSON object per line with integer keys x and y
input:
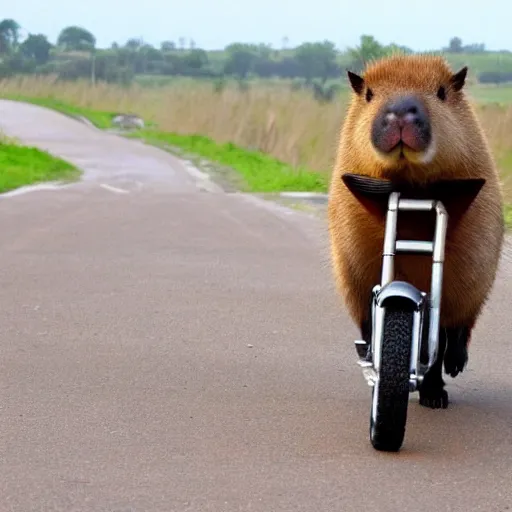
{"x": 473, "y": 244}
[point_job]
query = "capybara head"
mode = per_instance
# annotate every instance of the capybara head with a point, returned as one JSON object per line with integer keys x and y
{"x": 408, "y": 116}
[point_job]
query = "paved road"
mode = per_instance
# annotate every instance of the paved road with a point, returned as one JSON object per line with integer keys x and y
{"x": 173, "y": 349}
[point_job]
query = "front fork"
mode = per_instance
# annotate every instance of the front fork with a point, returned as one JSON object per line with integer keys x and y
{"x": 370, "y": 362}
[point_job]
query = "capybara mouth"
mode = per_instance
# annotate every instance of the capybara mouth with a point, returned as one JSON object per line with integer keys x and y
{"x": 402, "y": 127}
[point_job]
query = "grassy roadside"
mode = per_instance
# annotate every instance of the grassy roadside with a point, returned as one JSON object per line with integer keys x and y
{"x": 22, "y": 165}
{"x": 259, "y": 172}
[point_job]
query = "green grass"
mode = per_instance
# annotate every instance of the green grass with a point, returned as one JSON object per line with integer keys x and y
{"x": 500, "y": 94}
{"x": 100, "y": 119}
{"x": 260, "y": 172}
{"x": 508, "y": 215}
{"x": 22, "y": 165}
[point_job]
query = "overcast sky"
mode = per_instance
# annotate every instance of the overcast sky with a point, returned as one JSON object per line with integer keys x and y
{"x": 421, "y": 25}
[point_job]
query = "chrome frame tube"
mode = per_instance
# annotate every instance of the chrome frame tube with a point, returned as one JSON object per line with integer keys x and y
{"x": 436, "y": 286}
{"x": 388, "y": 255}
{"x": 414, "y": 246}
{"x": 388, "y": 270}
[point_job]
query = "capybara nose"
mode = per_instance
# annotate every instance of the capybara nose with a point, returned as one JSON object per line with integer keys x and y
{"x": 403, "y": 119}
{"x": 405, "y": 110}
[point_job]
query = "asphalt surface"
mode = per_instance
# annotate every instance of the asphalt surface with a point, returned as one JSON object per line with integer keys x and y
{"x": 165, "y": 346}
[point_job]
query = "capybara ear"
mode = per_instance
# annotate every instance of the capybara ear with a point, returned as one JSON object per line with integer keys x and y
{"x": 459, "y": 79}
{"x": 356, "y": 82}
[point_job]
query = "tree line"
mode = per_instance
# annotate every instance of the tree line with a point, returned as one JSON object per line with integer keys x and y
{"x": 75, "y": 55}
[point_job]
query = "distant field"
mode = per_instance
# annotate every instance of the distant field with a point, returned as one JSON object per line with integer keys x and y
{"x": 501, "y": 94}
{"x": 269, "y": 117}
{"x": 482, "y": 93}
{"x": 180, "y": 81}
{"x": 479, "y": 63}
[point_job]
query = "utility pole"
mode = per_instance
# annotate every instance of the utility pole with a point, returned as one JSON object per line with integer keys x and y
{"x": 93, "y": 66}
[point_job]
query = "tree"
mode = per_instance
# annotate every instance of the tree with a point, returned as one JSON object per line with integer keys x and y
{"x": 9, "y": 35}
{"x": 196, "y": 59}
{"x": 168, "y": 46}
{"x": 36, "y": 47}
{"x": 146, "y": 58}
{"x": 474, "y": 48}
{"x": 75, "y": 38}
{"x": 264, "y": 51}
{"x": 397, "y": 48}
{"x": 240, "y": 59}
{"x": 455, "y": 45}
{"x": 317, "y": 60}
{"x": 369, "y": 49}
{"x": 134, "y": 43}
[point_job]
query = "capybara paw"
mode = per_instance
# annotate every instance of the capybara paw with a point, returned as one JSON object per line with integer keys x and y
{"x": 456, "y": 355}
{"x": 432, "y": 393}
{"x": 434, "y": 399}
{"x": 455, "y": 360}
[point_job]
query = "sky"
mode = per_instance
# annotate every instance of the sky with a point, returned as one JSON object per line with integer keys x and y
{"x": 212, "y": 24}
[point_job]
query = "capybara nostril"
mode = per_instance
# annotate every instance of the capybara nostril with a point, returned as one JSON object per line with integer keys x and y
{"x": 407, "y": 109}
{"x": 404, "y": 105}
{"x": 405, "y": 120}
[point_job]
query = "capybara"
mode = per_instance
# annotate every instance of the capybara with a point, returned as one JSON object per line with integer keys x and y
{"x": 410, "y": 123}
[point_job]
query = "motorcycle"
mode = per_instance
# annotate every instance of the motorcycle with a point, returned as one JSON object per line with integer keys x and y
{"x": 405, "y": 321}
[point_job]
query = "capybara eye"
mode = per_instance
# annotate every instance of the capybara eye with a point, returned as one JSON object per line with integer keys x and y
{"x": 441, "y": 93}
{"x": 369, "y": 94}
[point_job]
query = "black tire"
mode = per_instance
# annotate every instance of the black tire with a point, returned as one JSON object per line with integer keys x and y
{"x": 387, "y": 429}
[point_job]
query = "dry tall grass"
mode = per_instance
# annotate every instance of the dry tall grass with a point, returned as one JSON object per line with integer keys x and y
{"x": 287, "y": 124}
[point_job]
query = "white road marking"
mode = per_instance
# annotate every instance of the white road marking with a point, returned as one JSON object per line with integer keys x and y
{"x": 115, "y": 190}
{"x": 304, "y": 195}
{"x": 32, "y": 188}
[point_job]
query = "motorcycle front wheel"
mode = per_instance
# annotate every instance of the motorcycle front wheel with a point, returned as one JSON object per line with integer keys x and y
{"x": 390, "y": 395}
